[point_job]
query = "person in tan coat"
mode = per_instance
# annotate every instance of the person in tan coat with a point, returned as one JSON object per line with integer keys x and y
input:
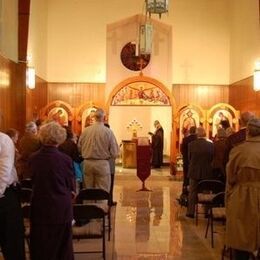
{"x": 243, "y": 194}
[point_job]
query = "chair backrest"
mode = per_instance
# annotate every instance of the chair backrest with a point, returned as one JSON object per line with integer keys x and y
{"x": 92, "y": 194}
{"x": 219, "y": 199}
{"x": 211, "y": 186}
{"x": 85, "y": 212}
{"x": 26, "y": 210}
{"x": 25, "y": 195}
{"x": 26, "y": 183}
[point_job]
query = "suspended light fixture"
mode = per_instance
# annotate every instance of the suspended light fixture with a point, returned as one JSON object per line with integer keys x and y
{"x": 257, "y": 76}
{"x": 30, "y": 77}
{"x": 145, "y": 39}
{"x": 156, "y": 7}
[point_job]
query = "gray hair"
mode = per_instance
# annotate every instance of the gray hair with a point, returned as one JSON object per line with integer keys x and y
{"x": 99, "y": 115}
{"x": 221, "y": 133}
{"x": 201, "y": 132}
{"x": 31, "y": 127}
{"x": 52, "y": 134}
{"x": 246, "y": 117}
{"x": 253, "y": 127}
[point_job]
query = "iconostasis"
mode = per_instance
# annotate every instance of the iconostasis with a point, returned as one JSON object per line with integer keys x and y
{"x": 193, "y": 115}
{"x": 131, "y": 112}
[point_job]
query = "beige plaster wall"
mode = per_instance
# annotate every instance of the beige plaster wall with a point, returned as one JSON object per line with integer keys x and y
{"x": 37, "y": 37}
{"x": 121, "y": 116}
{"x": 77, "y": 39}
{"x": 127, "y": 30}
{"x": 244, "y": 38}
{"x": 9, "y": 29}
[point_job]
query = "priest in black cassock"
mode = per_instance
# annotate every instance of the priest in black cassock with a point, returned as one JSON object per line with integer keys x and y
{"x": 157, "y": 145}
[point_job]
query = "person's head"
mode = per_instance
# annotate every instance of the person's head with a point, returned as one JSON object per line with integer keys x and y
{"x": 220, "y": 114}
{"x": 68, "y": 132}
{"x": 193, "y": 130}
{"x": 246, "y": 117}
{"x": 52, "y": 134}
{"x": 31, "y": 128}
{"x": 201, "y": 132}
{"x": 221, "y": 133}
{"x": 157, "y": 124}
{"x": 253, "y": 127}
{"x": 225, "y": 124}
{"x": 13, "y": 134}
{"x": 99, "y": 115}
{"x": 60, "y": 111}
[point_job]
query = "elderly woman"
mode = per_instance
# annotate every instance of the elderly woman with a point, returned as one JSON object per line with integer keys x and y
{"x": 29, "y": 144}
{"x": 53, "y": 189}
{"x": 243, "y": 194}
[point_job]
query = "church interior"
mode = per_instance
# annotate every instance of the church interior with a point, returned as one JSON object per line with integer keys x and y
{"x": 189, "y": 66}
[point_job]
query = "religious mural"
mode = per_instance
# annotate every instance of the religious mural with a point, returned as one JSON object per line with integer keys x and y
{"x": 140, "y": 93}
{"x": 220, "y": 115}
{"x": 59, "y": 115}
{"x": 88, "y": 117}
{"x": 189, "y": 117}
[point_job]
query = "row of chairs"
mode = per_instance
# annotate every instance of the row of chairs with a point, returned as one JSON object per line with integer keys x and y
{"x": 89, "y": 212}
{"x": 211, "y": 194}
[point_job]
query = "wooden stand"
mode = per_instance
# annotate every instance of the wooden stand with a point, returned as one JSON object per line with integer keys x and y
{"x": 143, "y": 158}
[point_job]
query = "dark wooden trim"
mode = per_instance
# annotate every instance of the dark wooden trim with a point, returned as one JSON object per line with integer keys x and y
{"x": 23, "y": 28}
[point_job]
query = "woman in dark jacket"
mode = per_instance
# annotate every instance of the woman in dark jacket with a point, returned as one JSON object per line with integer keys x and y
{"x": 51, "y": 206}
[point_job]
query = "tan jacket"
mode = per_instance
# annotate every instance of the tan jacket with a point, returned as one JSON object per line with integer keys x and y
{"x": 243, "y": 196}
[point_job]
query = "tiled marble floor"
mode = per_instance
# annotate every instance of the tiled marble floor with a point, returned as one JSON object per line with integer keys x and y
{"x": 151, "y": 225}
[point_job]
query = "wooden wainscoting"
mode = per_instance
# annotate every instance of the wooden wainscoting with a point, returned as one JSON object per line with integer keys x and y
{"x": 243, "y": 97}
{"x": 204, "y": 95}
{"x": 77, "y": 94}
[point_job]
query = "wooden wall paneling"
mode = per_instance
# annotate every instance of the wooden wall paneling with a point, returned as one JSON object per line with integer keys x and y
{"x": 23, "y": 26}
{"x": 18, "y": 96}
{"x": 203, "y": 95}
{"x": 12, "y": 94}
{"x": 5, "y": 110}
{"x": 77, "y": 94}
{"x": 36, "y": 99}
{"x": 243, "y": 97}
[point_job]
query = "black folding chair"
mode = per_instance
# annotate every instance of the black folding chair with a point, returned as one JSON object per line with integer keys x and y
{"x": 217, "y": 212}
{"x": 99, "y": 198}
{"x": 206, "y": 191}
{"x": 26, "y": 183}
{"x": 89, "y": 224}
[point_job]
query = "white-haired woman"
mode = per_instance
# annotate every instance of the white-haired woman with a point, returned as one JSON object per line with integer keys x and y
{"x": 51, "y": 206}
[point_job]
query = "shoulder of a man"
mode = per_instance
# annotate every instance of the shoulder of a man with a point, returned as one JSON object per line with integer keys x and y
{"x": 5, "y": 139}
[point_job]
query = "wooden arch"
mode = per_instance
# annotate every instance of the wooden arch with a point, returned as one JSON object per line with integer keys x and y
{"x": 44, "y": 112}
{"x": 164, "y": 89}
{"x": 222, "y": 107}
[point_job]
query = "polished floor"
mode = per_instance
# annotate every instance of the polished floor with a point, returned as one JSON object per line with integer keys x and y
{"x": 151, "y": 224}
